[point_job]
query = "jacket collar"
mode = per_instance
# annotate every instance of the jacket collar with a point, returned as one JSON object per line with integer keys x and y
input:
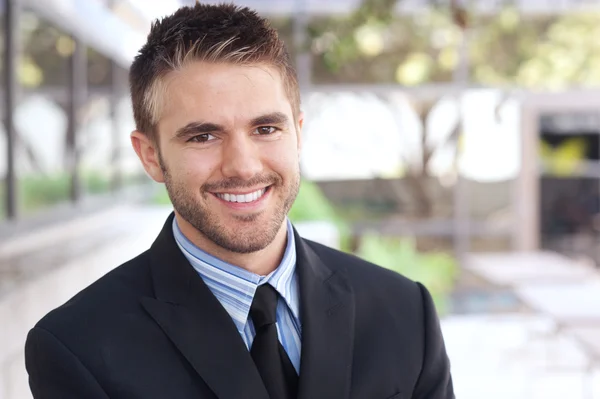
{"x": 194, "y": 320}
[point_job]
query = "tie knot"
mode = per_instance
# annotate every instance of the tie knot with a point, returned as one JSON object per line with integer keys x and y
{"x": 264, "y": 306}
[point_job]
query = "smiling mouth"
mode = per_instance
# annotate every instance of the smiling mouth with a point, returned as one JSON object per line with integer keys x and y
{"x": 243, "y": 198}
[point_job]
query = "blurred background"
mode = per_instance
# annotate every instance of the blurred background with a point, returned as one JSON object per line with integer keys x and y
{"x": 456, "y": 142}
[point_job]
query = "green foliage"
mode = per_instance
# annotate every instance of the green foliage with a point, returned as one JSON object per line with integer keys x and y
{"x": 95, "y": 183}
{"x": 36, "y": 192}
{"x": 375, "y": 45}
{"x": 545, "y": 52}
{"x": 311, "y": 204}
{"x": 39, "y": 191}
{"x": 435, "y": 270}
{"x": 344, "y": 47}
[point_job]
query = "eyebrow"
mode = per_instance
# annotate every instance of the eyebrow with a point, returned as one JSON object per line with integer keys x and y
{"x": 196, "y": 128}
{"x": 274, "y": 118}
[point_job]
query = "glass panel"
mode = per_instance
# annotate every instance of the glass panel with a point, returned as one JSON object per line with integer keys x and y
{"x": 95, "y": 133}
{"x": 388, "y": 163}
{"x": 370, "y": 154}
{"x": 490, "y": 157}
{"x": 100, "y": 143}
{"x": 569, "y": 162}
{"x": 3, "y": 158}
{"x": 569, "y": 216}
{"x": 40, "y": 116}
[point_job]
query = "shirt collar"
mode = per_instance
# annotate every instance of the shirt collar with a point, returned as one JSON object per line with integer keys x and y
{"x": 234, "y": 286}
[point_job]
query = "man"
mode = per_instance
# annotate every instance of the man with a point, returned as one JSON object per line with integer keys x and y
{"x": 229, "y": 302}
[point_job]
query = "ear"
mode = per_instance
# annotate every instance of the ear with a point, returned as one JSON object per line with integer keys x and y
{"x": 299, "y": 130}
{"x": 148, "y": 152}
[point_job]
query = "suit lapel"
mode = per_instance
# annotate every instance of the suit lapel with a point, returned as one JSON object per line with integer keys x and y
{"x": 197, "y": 324}
{"x": 327, "y": 313}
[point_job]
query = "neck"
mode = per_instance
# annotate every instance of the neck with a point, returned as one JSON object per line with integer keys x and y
{"x": 260, "y": 262}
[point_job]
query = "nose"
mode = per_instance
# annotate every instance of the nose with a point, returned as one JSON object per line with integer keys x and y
{"x": 241, "y": 158}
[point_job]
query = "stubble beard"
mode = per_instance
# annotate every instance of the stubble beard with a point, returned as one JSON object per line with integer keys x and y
{"x": 237, "y": 239}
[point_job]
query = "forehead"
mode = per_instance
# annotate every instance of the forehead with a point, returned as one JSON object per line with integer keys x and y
{"x": 222, "y": 93}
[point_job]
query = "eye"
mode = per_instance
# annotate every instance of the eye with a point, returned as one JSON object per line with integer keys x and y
{"x": 264, "y": 130}
{"x": 202, "y": 138}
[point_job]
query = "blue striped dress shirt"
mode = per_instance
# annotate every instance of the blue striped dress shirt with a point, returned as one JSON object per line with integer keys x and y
{"x": 234, "y": 287}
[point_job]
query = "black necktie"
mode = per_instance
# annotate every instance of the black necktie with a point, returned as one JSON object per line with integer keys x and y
{"x": 273, "y": 364}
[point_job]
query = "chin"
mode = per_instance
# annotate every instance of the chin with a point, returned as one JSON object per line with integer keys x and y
{"x": 247, "y": 242}
{"x": 248, "y": 218}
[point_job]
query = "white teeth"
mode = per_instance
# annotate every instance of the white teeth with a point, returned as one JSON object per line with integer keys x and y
{"x": 242, "y": 197}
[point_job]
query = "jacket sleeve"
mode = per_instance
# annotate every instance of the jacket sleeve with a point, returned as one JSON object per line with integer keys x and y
{"x": 435, "y": 381}
{"x": 55, "y": 372}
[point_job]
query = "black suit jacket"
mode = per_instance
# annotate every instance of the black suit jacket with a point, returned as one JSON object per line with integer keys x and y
{"x": 151, "y": 329}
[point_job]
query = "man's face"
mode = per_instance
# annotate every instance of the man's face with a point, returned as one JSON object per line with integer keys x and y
{"x": 229, "y": 152}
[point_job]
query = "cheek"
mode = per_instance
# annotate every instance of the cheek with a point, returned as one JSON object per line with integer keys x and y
{"x": 192, "y": 169}
{"x": 195, "y": 175}
{"x": 283, "y": 162}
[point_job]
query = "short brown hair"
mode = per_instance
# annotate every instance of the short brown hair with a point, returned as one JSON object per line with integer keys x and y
{"x": 211, "y": 33}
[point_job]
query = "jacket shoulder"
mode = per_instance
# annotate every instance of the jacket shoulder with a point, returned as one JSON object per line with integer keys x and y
{"x": 116, "y": 292}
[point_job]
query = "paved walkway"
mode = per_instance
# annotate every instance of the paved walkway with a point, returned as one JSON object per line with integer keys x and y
{"x": 551, "y": 352}
{"x": 517, "y": 356}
